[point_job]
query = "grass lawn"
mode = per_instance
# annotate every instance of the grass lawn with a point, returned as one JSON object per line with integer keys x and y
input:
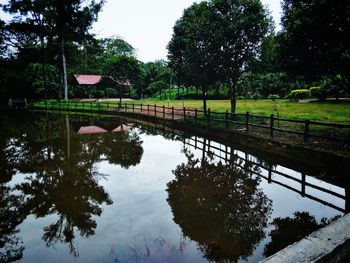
{"x": 320, "y": 111}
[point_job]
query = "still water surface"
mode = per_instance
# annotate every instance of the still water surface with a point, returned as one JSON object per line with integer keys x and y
{"x": 146, "y": 195}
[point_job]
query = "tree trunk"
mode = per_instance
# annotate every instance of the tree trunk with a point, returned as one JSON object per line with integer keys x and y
{"x": 43, "y": 64}
{"x": 64, "y": 71}
{"x": 233, "y": 97}
{"x": 204, "y": 90}
{"x": 120, "y": 95}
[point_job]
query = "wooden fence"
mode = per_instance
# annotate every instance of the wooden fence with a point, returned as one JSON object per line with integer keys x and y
{"x": 275, "y": 175}
{"x": 245, "y": 122}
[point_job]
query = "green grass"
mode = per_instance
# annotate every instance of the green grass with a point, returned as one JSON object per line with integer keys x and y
{"x": 320, "y": 111}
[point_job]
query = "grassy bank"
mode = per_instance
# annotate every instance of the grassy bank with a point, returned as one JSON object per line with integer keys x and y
{"x": 320, "y": 111}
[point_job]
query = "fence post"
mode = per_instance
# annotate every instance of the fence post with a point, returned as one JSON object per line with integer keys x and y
{"x": 172, "y": 112}
{"x": 195, "y": 115}
{"x": 306, "y": 130}
{"x": 91, "y": 105}
{"x": 83, "y": 105}
{"x": 147, "y": 109}
{"x": 155, "y": 110}
{"x": 126, "y": 106}
{"x": 247, "y": 121}
{"x": 133, "y": 107}
{"x": 226, "y": 119}
{"x": 76, "y": 105}
{"x": 141, "y": 107}
{"x": 163, "y": 111}
{"x": 271, "y": 125}
{"x": 99, "y": 106}
{"x": 209, "y": 117}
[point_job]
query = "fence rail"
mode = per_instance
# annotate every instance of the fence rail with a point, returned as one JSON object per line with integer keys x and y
{"x": 227, "y": 120}
{"x": 270, "y": 174}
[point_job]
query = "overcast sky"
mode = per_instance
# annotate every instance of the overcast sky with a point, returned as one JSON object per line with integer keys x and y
{"x": 147, "y": 25}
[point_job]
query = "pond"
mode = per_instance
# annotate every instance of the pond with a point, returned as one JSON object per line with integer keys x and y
{"x": 142, "y": 193}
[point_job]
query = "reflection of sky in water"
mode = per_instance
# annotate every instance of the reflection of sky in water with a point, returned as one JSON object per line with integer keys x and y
{"x": 139, "y": 226}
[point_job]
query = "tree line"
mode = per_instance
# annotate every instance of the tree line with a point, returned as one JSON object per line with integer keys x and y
{"x": 226, "y": 47}
{"x": 47, "y": 42}
{"x": 233, "y": 43}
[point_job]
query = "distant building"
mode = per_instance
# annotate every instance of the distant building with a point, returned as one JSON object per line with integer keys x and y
{"x": 98, "y": 79}
{"x": 103, "y": 82}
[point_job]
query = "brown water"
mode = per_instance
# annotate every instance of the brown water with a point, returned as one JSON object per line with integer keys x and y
{"x": 147, "y": 195}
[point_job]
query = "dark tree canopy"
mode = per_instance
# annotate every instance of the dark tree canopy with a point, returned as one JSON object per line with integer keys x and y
{"x": 315, "y": 37}
{"x": 214, "y": 40}
{"x": 292, "y": 229}
{"x": 220, "y": 207}
{"x": 192, "y": 47}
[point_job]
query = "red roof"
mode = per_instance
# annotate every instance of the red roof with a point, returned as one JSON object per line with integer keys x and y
{"x": 91, "y": 130}
{"x": 95, "y": 79}
{"x": 88, "y": 79}
{"x": 123, "y": 127}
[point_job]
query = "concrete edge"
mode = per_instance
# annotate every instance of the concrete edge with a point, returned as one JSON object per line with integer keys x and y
{"x": 328, "y": 244}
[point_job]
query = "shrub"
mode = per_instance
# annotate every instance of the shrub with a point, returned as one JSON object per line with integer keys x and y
{"x": 299, "y": 94}
{"x": 318, "y": 92}
{"x": 273, "y": 97}
{"x": 240, "y": 98}
{"x": 256, "y": 96}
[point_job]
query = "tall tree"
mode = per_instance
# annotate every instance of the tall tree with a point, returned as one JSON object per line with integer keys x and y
{"x": 71, "y": 20}
{"x": 243, "y": 25}
{"x": 214, "y": 41}
{"x": 125, "y": 70}
{"x": 191, "y": 48}
{"x": 315, "y": 37}
{"x": 56, "y": 20}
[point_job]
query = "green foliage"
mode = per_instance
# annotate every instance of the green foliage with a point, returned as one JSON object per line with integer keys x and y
{"x": 211, "y": 45}
{"x": 299, "y": 94}
{"x": 314, "y": 40}
{"x": 318, "y": 92}
{"x": 334, "y": 85}
{"x": 125, "y": 70}
{"x": 256, "y": 96}
{"x": 264, "y": 84}
{"x": 156, "y": 86}
{"x": 273, "y": 97}
{"x": 156, "y": 72}
{"x": 47, "y": 86}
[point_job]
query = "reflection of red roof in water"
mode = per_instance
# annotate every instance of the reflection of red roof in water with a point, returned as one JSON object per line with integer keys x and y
{"x": 91, "y": 130}
{"x": 88, "y": 79}
{"x": 123, "y": 127}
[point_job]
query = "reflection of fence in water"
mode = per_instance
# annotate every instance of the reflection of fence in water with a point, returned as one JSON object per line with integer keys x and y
{"x": 273, "y": 174}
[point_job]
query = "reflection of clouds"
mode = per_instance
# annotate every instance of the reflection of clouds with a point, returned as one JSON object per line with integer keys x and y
{"x": 220, "y": 207}
{"x": 158, "y": 249}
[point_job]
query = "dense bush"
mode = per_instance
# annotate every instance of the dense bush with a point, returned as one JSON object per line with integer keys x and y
{"x": 256, "y": 96}
{"x": 273, "y": 97}
{"x": 267, "y": 83}
{"x": 299, "y": 94}
{"x": 318, "y": 92}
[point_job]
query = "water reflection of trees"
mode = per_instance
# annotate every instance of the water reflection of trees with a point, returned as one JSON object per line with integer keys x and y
{"x": 288, "y": 230}
{"x": 11, "y": 248}
{"x": 220, "y": 207}
{"x": 63, "y": 179}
